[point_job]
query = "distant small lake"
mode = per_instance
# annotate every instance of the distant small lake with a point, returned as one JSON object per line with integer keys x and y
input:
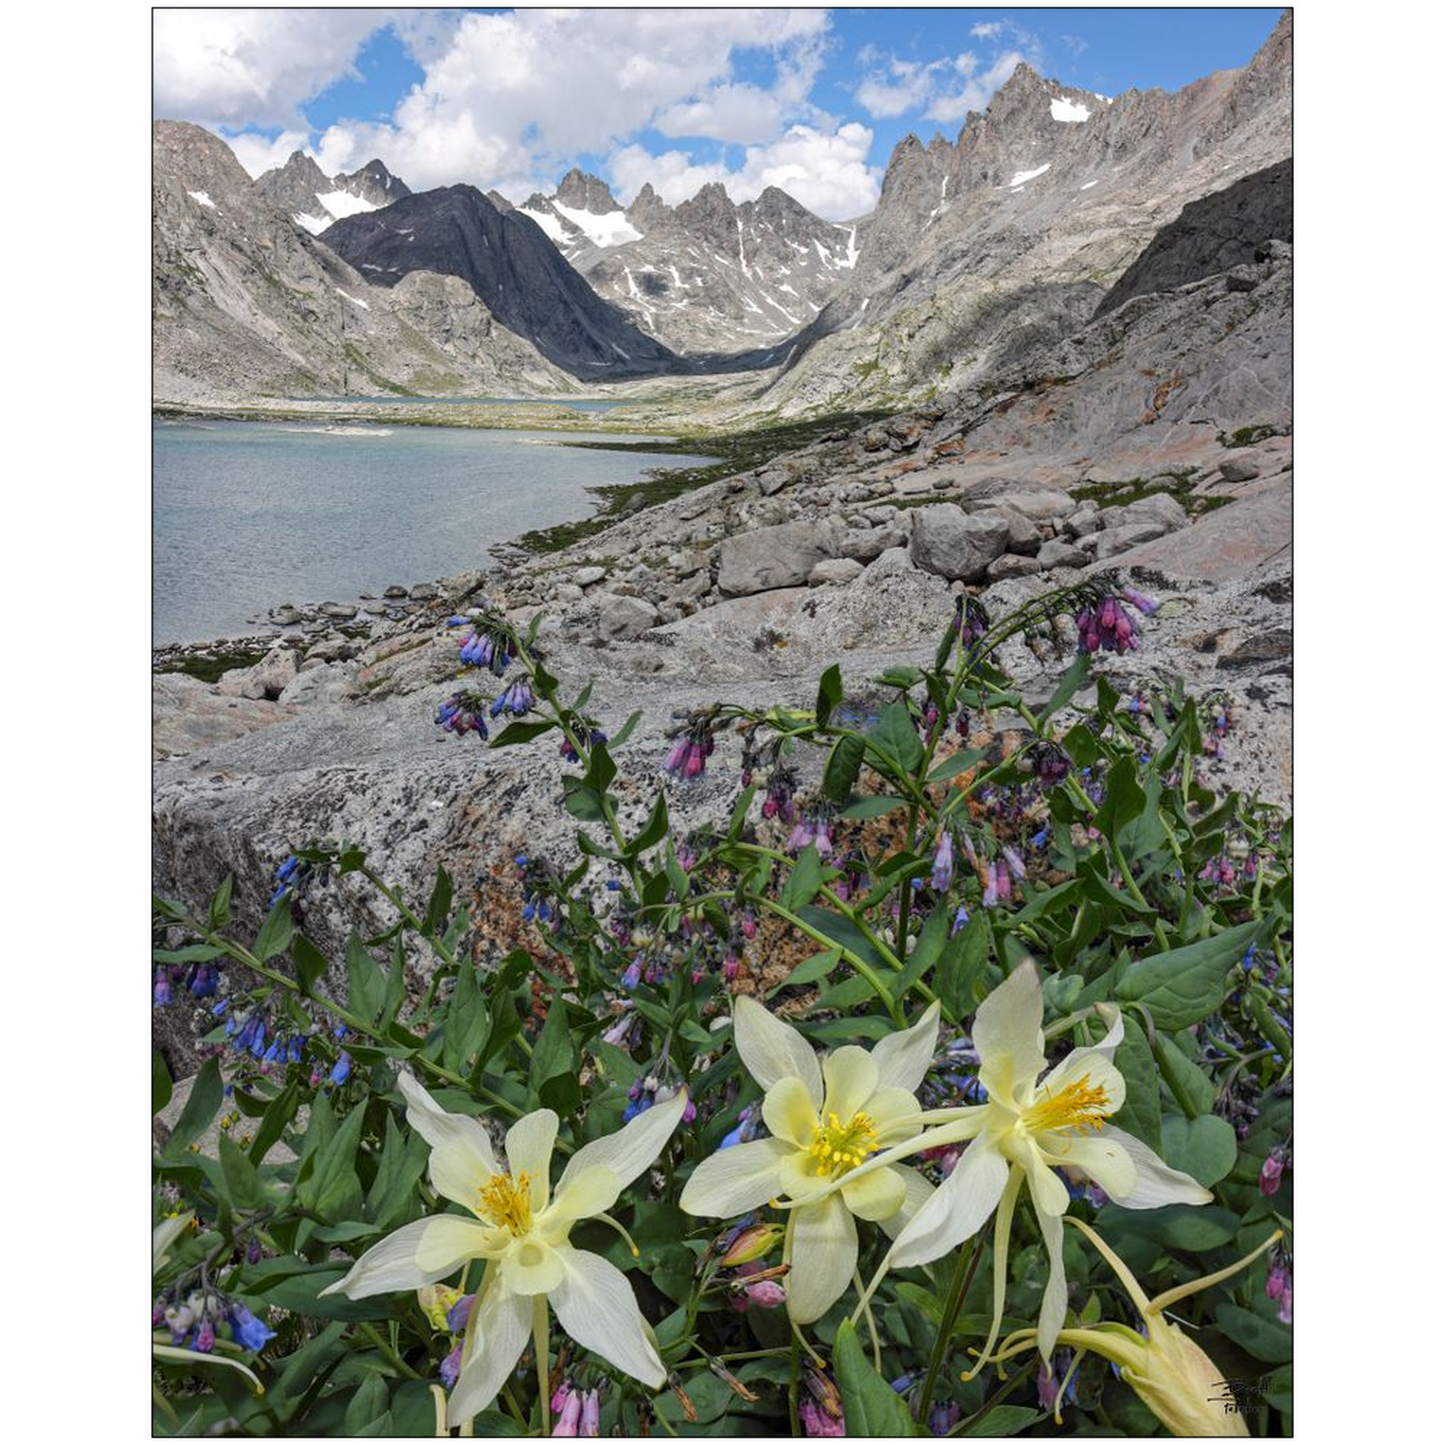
{"x": 571, "y": 403}
{"x": 247, "y": 515}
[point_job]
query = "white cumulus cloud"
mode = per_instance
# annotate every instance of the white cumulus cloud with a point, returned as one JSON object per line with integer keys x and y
{"x": 827, "y": 172}
{"x": 252, "y": 67}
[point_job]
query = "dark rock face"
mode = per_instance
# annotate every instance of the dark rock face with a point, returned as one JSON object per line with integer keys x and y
{"x": 584, "y": 192}
{"x": 1212, "y": 234}
{"x": 511, "y": 265}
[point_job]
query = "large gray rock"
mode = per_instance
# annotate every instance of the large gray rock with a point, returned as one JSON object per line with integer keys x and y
{"x": 266, "y": 679}
{"x": 1160, "y": 508}
{"x": 1121, "y": 539}
{"x": 952, "y": 544}
{"x": 1024, "y": 534}
{"x": 1243, "y": 468}
{"x": 1057, "y": 552}
{"x": 619, "y": 617}
{"x": 774, "y": 557}
{"x": 834, "y": 572}
{"x": 1002, "y": 568}
{"x": 866, "y": 546}
{"x": 331, "y": 682}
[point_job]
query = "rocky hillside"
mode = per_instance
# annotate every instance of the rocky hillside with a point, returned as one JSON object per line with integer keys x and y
{"x": 1005, "y": 242}
{"x": 1159, "y": 444}
{"x": 706, "y": 276}
{"x": 518, "y": 274}
{"x": 314, "y": 201}
{"x": 1212, "y": 234}
{"x": 246, "y": 303}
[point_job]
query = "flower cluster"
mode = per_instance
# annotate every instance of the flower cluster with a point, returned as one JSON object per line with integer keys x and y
{"x": 462, "y": 713}
{"x": 488, "y": 645}
{"x": 194, "y": 1320}
{"x": 695, "y": 744}
{"x": 1106, "y": 625}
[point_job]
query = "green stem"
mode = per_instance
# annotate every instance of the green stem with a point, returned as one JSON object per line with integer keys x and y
{"x": 539, "y": 1348}
{"x": 374, "y": 1335}
{"x": 957, "y": 1289}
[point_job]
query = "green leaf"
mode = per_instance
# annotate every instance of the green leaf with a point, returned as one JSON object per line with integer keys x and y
{"x": 365, "y": 982}
{"x": 1072, "y": 680}
{"x": 830, "y": 694}
{"x": 626, "y": 730}
{"x": 961, "y": 966}
{"x": 160, "y": 1082}
{"x": 553, "y": 1075}
{"x": 811, "y": 969}
{"x": 1004, "y": 1420}
{"x": 366, "y": 1404}
{"x": 896, "y": 738}
{"x": 310, "y": 963}
{"x": 1186, "y": 984}
{"x": 1194, "y": 1227}
{"x": 1266, "y": 1340}
{"x": 581, "y": 801}
{"x": 927, "y": 948}
{"x": 844, "y": 931}
{"x": 1139, "y": 1114}
{"x": 403, "y": 1161}
{"x": 279, "y": 1113}
{"x": 1187, "y": 1081}
{"x": 276, "y": 932}
{"x": 440, "y": 903}
{"x": 243, "y": 1184}
{"x": 332, "y": 1190}
{"x": 1123, "y": 798}
{"x": 521, "y": 732}
{"x": 956, "y": 763}
{"x": 871, "y": 1406}
{"x": 804, "y": 880}
{"x": 205, "y": 1099}
{"x": 220, "y": 914}
{"x": 840, "y": 773}
{"x": 655, "y": 829}
{"x": 873, "y": 806}
{"x": 1204, "y": 1148}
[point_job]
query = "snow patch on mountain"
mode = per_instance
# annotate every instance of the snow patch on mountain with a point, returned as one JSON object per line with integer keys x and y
{"x": 1023, "y": 177}
{"x": 202, "y": 199}
{"x": 1069, "y": 111}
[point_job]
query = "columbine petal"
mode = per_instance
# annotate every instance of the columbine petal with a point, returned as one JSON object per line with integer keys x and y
{"x": 851, "y": 1078}
{"x": 531, "y": 1267}
{"x": 917, "y": 1192}
{"x": 875, "y": 1196}
{"x": 596, "y": 1306}
{"x": 1056, "y": 1293}
{"x": 418, "y": 1253}
{"x": 1104, "y": 1160}
{"x": 632, "y": 1148}
{"x": 461, "y": 1148}
{"x": 772, "y": 1050}
{"x": 903, "y": 1058}
{"x": 958, "y": 1208}
{"x": 1009, "y": 1036}
{"x": 737, "y": 1179}
{"x": 824, "y": 1256}
{"x": 789, "y": 1113}
{"x": 587, "y": 1193}
{"x": 165, "y": 1235}
{"x": 496, "y": 1336}
{"x": 1089, "y": 1064}
{"x": 893, "y": 1112}
{"x": 1156, "y": 1182}
{"x": 529, "y": 1152}
{"x": 1049, "y": 1193}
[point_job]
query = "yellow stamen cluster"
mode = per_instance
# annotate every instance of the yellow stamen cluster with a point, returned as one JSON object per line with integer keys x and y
{"x": 1079, "y": 1106}
{"x": 507, "y": 1202}
{"x": 839, "y": 1147}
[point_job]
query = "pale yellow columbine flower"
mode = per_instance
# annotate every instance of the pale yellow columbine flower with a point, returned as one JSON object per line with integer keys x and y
{"x": 519, "y": 1227}
{"x": 1165, "y": 1368}
{"x": 825, "y": 1123}
{"x": 1028, "y": 1127}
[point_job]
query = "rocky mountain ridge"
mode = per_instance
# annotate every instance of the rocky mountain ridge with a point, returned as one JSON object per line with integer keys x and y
{"x": 514, "y": 269}
{"x": 302, "y": 190}
{"x": 245, "y": 302}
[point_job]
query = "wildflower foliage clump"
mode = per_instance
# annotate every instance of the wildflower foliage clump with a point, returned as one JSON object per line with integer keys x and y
{"x": 638, "y": 1176}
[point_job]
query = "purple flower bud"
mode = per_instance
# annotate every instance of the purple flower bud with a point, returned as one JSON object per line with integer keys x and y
{"x": 206, "y": 1337}
{"x": 566, "y": 1423}
{"x": 943, "y": 862}
{"x": 591, "y": 1414}
{"x": 451, "y": 1367}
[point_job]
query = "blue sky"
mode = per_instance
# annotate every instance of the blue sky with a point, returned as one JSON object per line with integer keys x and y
{"x": 811, "y": 100}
